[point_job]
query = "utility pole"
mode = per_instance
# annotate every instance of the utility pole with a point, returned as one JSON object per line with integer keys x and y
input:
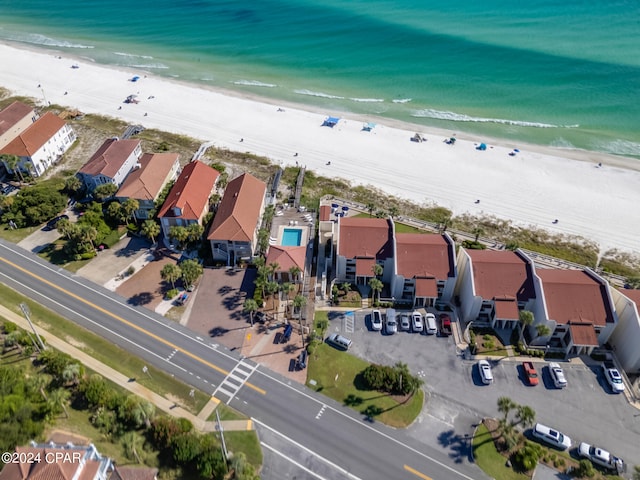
{"x": 25, "y": 310}
{"x": 221, "y": 430}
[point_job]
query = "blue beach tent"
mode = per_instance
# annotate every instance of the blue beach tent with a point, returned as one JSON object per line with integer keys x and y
{"x": 330, "y": 122}
{"x": 367, "y": 127}
{"x": 482, "y": 146}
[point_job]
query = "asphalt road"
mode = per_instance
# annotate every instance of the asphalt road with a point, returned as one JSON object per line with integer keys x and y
{"x": 333, "y": 440}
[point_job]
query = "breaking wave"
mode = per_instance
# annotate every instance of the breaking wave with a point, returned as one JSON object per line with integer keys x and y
{"x": 317, "y": 94}
{"x": 402, "y": 100}
{"x": 457, "y": 117}
{"x": 38, "y": 39}
{"x": 619, "y": 147}
{"x": 254, "y": 83}
{"x": 367, "y": 100}
{"x": 132, "y": 55}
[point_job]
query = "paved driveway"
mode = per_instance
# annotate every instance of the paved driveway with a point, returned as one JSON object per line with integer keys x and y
{"x": 585, "y": 410}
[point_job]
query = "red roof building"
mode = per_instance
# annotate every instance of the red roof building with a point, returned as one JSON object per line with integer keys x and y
{"x": 14, "y": 120}
{"x": 111, "y": 163}
{"x": 493, "y": 286}
{"x": 188, "y": 199}
{"x": 234, "y": 232}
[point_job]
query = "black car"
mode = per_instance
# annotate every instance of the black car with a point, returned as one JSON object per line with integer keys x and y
{"x": 51, "y": 224}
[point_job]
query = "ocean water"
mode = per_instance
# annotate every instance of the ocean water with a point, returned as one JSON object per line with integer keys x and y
{"x": 552, "y": 73}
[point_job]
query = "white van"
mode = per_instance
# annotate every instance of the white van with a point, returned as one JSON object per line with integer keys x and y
{"x": 339, "y": 341}
{"x": 551, "y": 436}
{"x": 430, "y": 324}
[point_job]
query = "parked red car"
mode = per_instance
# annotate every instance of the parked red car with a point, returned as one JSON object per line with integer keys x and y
{"x": 530, "y": 372}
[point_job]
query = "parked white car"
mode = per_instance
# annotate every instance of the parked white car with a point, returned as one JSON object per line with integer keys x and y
{"x": 376, "y": 320}
{"x": 416, "y": 322}
{"x": 405, "y": 322}
{"x": 485, "y": 372}
{"x": 551, "y": 436}
{"x": 557, "y": 375}
{"x": 615, "y": 380}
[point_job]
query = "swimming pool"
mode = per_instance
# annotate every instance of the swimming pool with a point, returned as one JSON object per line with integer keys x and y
{"x": 291, "y": 237}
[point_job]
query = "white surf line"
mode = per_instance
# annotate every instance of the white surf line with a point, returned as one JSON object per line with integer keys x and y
{"x": 310, "y": 452}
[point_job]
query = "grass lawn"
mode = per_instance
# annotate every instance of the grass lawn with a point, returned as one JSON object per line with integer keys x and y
{"x": 335, "y": 375}
{"x": 226, "y": 413}
{"x": 107, "y": 353}
{"x": 16, "y": 235}
{"x": 488, "y": 343}
{"x": 489, "y": 459}
{"x": 246, "y": 442}
{"x": 54, "y": 253}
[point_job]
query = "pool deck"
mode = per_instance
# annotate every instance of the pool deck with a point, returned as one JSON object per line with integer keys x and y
{"x": 290, "y": 218}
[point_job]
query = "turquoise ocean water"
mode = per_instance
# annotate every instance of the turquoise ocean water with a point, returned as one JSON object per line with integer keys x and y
{"x": 544, "y": 72}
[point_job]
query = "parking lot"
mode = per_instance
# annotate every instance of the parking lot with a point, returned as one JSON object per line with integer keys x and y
{"x": 456, "y": 397}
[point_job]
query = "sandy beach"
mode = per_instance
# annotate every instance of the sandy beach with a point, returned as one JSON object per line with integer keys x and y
{"x": 534, "y": 187}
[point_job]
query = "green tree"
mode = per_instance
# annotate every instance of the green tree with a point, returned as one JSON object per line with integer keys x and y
{"x": 129, "y": 206}
{"x": 58, "y": 398}
{"x": 250, "y": 306}
{"x": 376, "y": 287}
{"x": 345, "y": 287}
{"x": 150, "y": 229}
{"x": 377, "y": 269}
{"x": 370, "y": 208}
{"x": 393, "y": 211}
{"x": 287, "y": 288}
{"x": 209, "y": 461}
{"x": 104, "y": 191}
{"x": 35, "y": 205}
{"x": 191, "y": 270}
{"x": 477, "y": 231}
{"x": 636, "y": 472}
{"x": 242, "y": 469}
{"x": 542, "y": 330}
{"x": 585, "y": 469}
{"x": 171, "y": 273}
{"x": 116, "y": 212}
{"x": 186, "y": 448}
{"x": 72, "y": 184}
{"x": 95, "y": 391}
{"x": 132, "y": 443}
{"x": 526, "y": 458}
{"x": 294, "y": 274}
{"x": 194, "y": 233}
{"x": 72, "y": 373}
{"x": 525, "y": 415}
{"x": 526, "y": 319}
{"x": 179, "y": 234}
{"x": 299, "y": 301}
{"x": 13, "y": 162}
{"x": 89, "y": 234}
{"x": 505, "y": 405}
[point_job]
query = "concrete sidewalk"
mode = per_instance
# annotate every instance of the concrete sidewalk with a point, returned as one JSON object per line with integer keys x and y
{"x": 200, "y": 421}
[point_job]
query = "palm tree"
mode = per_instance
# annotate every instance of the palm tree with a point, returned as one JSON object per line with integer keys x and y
{"x": 59, "y": 397}
{"x": 89, "y": 234}
{"x": 179, "y": 234}
{"x": 444, "y": 224}
{"x": 505, "y": 405}
{"x": 377, "y": 269}
{"x": 273, "y": 268}
{"x": 71, "y": 374}
{"x": 477, "y": 232}
{"x": 250, "y": 306}
{"x": 191, "y": 270}
{"x": 130, "y": 205}
{"x": 287, "y": 288}
{"x": 12, "y": 162}
{"x": 345, "y": 287}
{"x": 542, "y": 330}
{"x": 132, "y": 442}
{"x": 298, "y": 302}
{"x": 376, "y": 286}
{"x": 525, "y": 415}
{"x": 294, "y": 273}
{"x": 393, "y": 211}
{"x": 104, "y": 191}
{"x": 194, "y": 232}
{"x": 150, "y": 229}
{"x": 171, "y": 273}
{"x": 370, "y": 208}
{"x": 526, "y": 318}
{"x": 72, "y": 184}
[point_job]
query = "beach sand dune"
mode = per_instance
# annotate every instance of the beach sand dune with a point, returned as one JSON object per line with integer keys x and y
{"x": 534, "y": 187}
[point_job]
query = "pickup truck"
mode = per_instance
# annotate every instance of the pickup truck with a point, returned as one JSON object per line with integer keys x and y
{"x": 445, "y": 325}
{"x": 601, "y": 457}
{"x": 613, "y": 377}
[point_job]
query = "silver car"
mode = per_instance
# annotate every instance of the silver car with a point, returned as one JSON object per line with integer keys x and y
{"x": 557, "y": 375}
{"x": 391, "y": 325}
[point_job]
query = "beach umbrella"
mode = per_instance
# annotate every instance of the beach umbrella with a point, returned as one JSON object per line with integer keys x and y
{"x": 516, "y": 150}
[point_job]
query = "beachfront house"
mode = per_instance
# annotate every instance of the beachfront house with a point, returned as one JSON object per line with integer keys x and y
{"x": 626, "y": 336}
{"x": 111, "y": 163}
{"x": 577, "y": 307}
{"x": 494, "y": 286}
{"x": 425, "y": 266}
{"x": 40, "y": 145}
{"x": 362, "y": 243}
{"x": 147, "y": 180}
{"x": 188, "y": 199}
{"x": 234, "y": 232}
{"x": 15, "y": 119}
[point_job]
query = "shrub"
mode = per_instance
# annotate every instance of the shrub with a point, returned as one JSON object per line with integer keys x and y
{"x": 171, "y": 294}
{"x": 527, "y": 457}
{"x": 9, "y": 327}
{"x": 130, "y": 271}
{"x": 585, "y": 469}
{"x": 558, "y": 463}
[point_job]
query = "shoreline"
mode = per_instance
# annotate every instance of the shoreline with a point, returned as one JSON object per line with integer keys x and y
{"x": 534, "y": 187}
